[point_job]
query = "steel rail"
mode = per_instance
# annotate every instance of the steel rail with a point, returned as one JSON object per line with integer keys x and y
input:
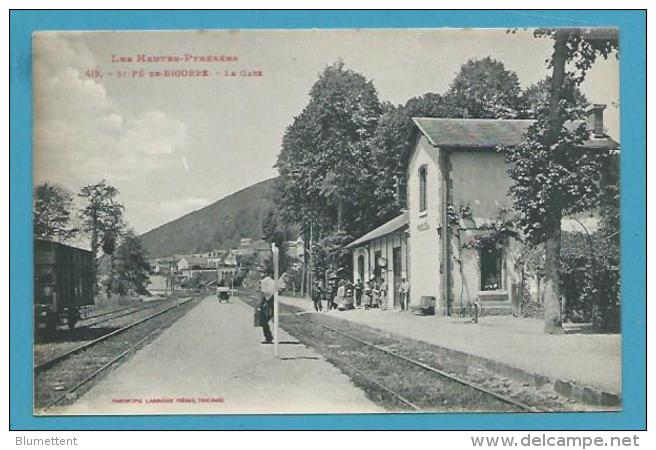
{"x": 500, "y": 397}
{"x": 106, "y": 366}
{"x": 123, "y": 313}
{"x": 359, "y": 372}
{"x": 105, "y": 313}
{"x": 118, "y": 310}
{"x": 389, "y": 391}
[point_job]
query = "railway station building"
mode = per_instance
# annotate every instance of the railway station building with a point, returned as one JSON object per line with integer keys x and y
{"x": 447, "y": 240}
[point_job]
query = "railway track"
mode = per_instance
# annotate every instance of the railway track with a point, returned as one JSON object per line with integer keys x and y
{"x": 410, "y": 375}
{"x": 105, "y": 313}
{"x": 515, "y": 404}
{"x": 59, "y": 379}
{"x": 68, "y": 340}
{"x": 67, "y": 354}
{"x": 112, "y": 315}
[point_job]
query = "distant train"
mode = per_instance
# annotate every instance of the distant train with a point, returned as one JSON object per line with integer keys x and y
{"x": 63, "y": 282}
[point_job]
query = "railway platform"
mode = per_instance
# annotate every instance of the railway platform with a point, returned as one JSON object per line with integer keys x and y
{"x": 579, "y": 364}
{"x": 211, "y": 361}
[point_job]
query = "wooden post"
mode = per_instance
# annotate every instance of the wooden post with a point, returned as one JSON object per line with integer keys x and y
{"x": 274, "y": 251}
{"x": 311, "y": 271}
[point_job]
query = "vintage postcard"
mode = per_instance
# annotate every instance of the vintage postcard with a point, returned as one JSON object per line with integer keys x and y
{"x": 326, "y": 221}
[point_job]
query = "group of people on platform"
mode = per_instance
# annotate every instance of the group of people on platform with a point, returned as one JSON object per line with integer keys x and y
{"x": 343, "y": 295}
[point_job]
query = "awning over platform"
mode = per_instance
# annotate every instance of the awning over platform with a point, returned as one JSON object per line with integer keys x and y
{"x": 389, "y": 227}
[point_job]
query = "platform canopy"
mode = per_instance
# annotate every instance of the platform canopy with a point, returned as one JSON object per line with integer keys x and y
{"x": 393, "y": 225}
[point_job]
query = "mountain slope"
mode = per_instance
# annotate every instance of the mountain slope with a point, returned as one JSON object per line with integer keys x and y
{"x": 218, "y": 226}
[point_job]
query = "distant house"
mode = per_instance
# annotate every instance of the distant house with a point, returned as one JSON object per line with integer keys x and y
{"x": 162, "y": 266}
{"x": 215, "y": 257}
{"x": 245, "y": 243}
{"x": 189, "y": 265}
{"x": 454, "y": 165}
{"x": 226, "y": 268}
{"x": 231, "y": 258}
{"x": 295, "y": 249}
{"x": 259, "y": 248}
{"x": 263, "y": 251}
{"x": 183, "y": 263}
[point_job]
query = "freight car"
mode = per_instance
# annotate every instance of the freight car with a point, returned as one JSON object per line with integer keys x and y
{"x": 63, "y": 282}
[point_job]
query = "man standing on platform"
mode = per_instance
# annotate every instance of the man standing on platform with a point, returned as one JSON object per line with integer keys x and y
{"x": 359, "y": 288}
{"x": 267, "y": 290}
{"x": 317, "y": 293}
{"x": 404, "y": 289}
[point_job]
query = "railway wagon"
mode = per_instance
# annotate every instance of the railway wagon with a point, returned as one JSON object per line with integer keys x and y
{"x": 63, "y": 282}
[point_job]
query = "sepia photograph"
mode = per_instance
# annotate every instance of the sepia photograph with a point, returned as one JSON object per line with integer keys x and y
{"x": 326, "y": 221}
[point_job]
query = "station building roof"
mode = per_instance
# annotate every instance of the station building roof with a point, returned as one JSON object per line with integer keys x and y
{"x": 490, "y": 133}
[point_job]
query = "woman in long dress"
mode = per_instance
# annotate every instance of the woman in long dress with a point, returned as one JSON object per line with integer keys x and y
{"x": 375, "y": 294}
{"x": 339, "y": 298}
{"x": 367, "y": 295}
{"x": 383, "y": 295}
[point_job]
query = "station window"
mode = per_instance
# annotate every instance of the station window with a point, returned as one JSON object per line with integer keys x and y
{"x": 491, "y": 269}
{"x": 422, "y": 188}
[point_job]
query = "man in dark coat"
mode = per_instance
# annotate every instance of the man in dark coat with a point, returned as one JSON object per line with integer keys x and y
{"x": 267, "y": 290}
{"x": 359, "y": 288}
{"x": 331, "y": 292}
{"x": 316, "y": 296}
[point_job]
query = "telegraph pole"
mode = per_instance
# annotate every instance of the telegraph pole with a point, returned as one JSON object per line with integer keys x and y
{"x": 311, "y": 271}
{"x": 172, "y": 278}
{"x": 274, "y": 251}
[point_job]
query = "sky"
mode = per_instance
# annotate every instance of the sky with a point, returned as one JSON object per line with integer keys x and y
{"x": 172, "y": 145}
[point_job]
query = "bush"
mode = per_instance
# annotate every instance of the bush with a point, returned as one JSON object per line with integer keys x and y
{"x": 530, "y": 307}
{"x": 590, "y": 281}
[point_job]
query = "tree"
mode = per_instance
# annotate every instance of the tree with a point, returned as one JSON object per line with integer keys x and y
{"x": 537, "y": 94}
{"x": 274, "y": 232}
{"x": 484, "y": 88}
{"x": 52, "y": 207}
{"x": 102, "y": 218}
{"x": 131, "y": 268}
{"x": 325, "y": 162}
{"x": 390, "y": 144}
{"x": 246, "y": 268}
{"x": 552, "y": 175}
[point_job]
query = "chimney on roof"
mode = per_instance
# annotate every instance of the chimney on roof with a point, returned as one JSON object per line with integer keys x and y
{"x": 596, "y": 119}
